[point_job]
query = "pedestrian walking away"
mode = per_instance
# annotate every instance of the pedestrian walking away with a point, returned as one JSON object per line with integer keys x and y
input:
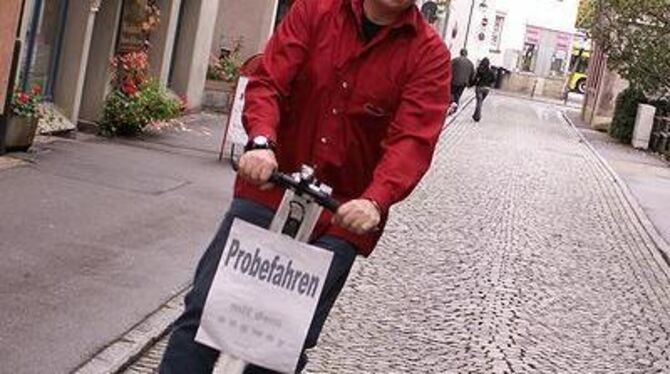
{"x": 483, "y": 81}
{"x": 463, "y": 72}
{"x": 357, "y": 89}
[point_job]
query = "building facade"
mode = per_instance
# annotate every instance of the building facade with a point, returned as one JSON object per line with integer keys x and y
{"x": 9, "y": 11}
{"x": 513, "y": 34}
{"x": 67, "y": 46}
{"x": 249, "y": 23}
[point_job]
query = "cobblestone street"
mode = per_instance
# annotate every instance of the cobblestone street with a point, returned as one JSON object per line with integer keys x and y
{"x": 518, "y": 253}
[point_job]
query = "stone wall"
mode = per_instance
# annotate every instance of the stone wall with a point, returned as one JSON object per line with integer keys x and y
{"x": 532, "y": 85}
{"x": 251, "y": 21}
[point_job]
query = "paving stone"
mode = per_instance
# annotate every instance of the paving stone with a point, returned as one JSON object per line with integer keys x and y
{"x": 516, "y": 254}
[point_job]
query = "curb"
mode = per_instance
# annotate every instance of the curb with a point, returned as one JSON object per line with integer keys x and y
{"x": 8, "y": 162}
{"x": 537, "y": 99}
{"x": 122, "y": 352}
{"x": 642, "y": 218}
{"x": 461, "y": 109}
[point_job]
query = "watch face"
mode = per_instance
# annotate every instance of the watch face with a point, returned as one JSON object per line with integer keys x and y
{"x": 260, "y": 141}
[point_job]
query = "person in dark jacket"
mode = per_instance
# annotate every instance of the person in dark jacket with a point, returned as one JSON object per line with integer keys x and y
{"x": 463, "y": 71}
{"x": 483, "y": 80}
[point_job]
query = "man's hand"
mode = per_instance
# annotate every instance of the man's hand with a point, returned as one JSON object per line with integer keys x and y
{"x": 358, "y": 216}
{"x": 257, "y": 166}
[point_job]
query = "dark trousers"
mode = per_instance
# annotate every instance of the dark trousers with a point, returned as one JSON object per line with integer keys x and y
{"x": 185, "y": 356}
{"x": 480, "y": 93}
{"x": 456, "y": 93}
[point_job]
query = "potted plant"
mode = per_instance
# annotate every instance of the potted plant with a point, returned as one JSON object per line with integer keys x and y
{"x": 25, "y": 115}
{"x": 222, "y": 74}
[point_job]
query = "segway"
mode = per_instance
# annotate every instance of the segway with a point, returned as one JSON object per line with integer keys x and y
{"x": 302, "y": 204}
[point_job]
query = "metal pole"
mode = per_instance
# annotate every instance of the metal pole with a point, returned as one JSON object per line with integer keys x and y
{"x": 467, "y": 32}
{"x": 445, "y": 27}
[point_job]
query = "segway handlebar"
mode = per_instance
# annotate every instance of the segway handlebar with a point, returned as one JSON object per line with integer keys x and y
{"x": 303, "y": 183}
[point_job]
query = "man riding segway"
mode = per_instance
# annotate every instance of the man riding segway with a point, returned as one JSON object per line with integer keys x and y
{"x": 358, "y": 90}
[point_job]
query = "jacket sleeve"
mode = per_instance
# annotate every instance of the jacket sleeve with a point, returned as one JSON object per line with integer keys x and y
{"x": 283, "y": 57}
{"x": 473, "y": 73}
{"x": 413, "y": 134}
{"x": 475, "y": 79}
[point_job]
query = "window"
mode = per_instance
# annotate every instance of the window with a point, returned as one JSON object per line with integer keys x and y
{"x": 529, "y": 57}
{"x": 39, "y": 62}
{"x": 557, "y": 63}
{"x": 496, "y": 35}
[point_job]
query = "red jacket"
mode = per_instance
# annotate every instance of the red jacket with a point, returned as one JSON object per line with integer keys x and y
{"x": 367, "y": 116}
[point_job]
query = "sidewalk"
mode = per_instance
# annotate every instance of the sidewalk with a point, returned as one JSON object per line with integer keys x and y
{"x": 97, "y": 234}
{"x": 647, "y": 175}
{"x": 8, "y": 162}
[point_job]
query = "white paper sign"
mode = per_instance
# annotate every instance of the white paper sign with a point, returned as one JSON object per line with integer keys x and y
{"x": 263, "y": 297}
{"x": 236, "y": 131}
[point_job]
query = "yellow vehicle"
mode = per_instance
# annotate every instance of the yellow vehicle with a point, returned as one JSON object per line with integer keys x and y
{"x": 579, "y": 64}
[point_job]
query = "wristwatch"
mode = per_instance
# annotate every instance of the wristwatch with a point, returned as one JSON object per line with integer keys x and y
{"x": 376, "y": 205}
{"x": 260, "y": 142}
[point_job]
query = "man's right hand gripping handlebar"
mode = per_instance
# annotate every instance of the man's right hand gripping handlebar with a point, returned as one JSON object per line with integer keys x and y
{"x": 257, "y": 166}
{"x": 359, "y": 216}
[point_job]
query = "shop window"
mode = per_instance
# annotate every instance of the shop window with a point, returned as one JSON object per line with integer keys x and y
{"x": 496, "y": 35}
{"x": 556, "y": 65}
{"x": 44, "y": 34}
{"x": 529, "y": 57}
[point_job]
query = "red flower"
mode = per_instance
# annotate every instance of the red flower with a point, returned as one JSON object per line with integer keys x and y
{"x": 37, "y": 90}
{"x": 23, "y": 98}
{"x": 130, "y": 70}
{"x": 129, "y": 87}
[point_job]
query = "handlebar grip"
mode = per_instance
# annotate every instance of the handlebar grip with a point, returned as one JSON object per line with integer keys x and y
{"x": 282, "y": 180}
{"x": 330, "y": 203}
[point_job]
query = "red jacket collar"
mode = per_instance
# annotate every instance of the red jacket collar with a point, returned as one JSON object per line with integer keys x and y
{"x": 410, "y": 19}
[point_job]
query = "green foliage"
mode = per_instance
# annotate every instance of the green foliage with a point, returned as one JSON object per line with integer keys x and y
{"x": 586, "y": 14}
{"x": 623, "y": 122}
{"x": 662, "y": 107}
{"x": 635, "y": 34}
{"x": 129, "y": 115}
{"x": 159, "y": 103}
